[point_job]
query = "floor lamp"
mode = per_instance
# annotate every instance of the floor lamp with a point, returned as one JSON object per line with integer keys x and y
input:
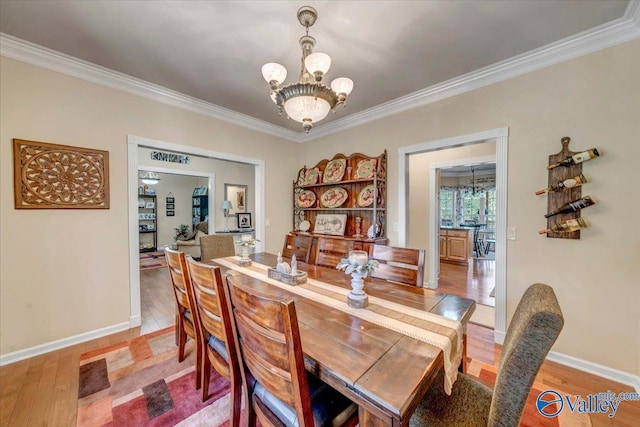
{"x": 226, "y": 207}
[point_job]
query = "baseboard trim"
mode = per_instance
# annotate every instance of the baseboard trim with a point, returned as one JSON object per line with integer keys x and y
{"x": 37, "y": 350}
{"x": 586, "y": 366}
{"x": 596, "y": 369}
{"x": 135, "y": 321}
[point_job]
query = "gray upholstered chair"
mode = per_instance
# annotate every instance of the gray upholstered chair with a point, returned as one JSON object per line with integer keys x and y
{"x": 534, "y": 328}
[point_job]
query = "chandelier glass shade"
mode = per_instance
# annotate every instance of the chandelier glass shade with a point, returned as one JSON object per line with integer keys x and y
{"x": 308, "y": 101}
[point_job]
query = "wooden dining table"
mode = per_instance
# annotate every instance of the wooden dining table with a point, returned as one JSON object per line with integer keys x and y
{"x": 385, "y": 372}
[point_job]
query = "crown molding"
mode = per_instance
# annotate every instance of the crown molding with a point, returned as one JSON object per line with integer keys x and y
{"x": 21, "y": 50}
{"x": 607, "y": 35}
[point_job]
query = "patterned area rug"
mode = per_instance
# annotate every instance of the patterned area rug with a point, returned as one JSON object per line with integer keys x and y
{"x": 140, "y": 383}
{"x": 152, "y": 260}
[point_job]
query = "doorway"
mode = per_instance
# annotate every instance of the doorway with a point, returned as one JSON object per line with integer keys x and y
{"x": 407, "y": 225}
{"x": 133, "y": 165}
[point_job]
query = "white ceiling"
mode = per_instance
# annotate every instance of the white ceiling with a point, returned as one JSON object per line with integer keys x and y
{"x": 213, "y": 50}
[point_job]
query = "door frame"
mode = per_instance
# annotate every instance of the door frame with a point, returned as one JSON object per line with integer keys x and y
{"x": 133, "y": 143}
{"x": 501, "y": 138}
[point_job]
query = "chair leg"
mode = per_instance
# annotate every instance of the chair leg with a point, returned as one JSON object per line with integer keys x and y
{"x": 199, "y": 361}
{"x": 205, "y": 377}
{"x": 236, "y": 402}
{"x": 182, "y": 341}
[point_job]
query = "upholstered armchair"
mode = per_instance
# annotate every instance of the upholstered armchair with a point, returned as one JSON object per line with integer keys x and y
{"x": 191, "y": 244}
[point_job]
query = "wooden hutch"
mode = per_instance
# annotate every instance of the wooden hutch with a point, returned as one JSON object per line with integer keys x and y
{"x": 343, "y": 188}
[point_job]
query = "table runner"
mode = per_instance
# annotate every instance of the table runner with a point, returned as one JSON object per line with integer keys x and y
{"x": 433, "y": 329}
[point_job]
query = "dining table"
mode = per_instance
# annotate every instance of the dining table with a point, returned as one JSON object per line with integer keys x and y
{"x": 385, "y": 367}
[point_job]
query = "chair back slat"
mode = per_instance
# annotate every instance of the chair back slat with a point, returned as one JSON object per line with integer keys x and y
{"x": 207, "y": 283}
{"x": 298, "y": 245}
{"x": 403, "y": 265}
{"x": 214, "y": 246}
{"x": 331, "y": 251}
{"x": 179, "y": 276}
{"x": 269, "y": 341}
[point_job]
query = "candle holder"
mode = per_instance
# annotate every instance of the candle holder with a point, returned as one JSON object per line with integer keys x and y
{"x": 358, "y": 225}
{"x": 358, "y": 265}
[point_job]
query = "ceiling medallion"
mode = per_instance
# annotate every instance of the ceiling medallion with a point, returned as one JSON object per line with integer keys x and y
{"x": 308, "y": 101}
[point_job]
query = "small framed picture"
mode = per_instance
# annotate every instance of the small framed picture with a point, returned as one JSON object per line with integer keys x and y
{"x": 171, "y": 199}
{"x": 151, "y": 226}
{"x": 150, "y": 205}
{"x": 171, "y": 206}
{"x": 244, "y": 220}
{"x": 171, "y": 213}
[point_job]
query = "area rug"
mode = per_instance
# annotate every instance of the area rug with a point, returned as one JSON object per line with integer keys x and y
{"x": 139, "y": 382}
{"x": 484, "y": 316}
{"x": 152, "y": 260}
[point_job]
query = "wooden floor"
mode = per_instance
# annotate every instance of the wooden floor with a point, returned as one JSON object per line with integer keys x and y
{"x": 43, "y": 390}
{"x": 475, "y": 281}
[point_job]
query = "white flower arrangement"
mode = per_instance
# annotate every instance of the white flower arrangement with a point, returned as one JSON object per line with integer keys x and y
{"x": 249, "y": 243}
{"x": 352, "y": 266}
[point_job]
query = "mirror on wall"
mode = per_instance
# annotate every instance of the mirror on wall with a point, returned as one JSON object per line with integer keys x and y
{"x": 237, "y": 195}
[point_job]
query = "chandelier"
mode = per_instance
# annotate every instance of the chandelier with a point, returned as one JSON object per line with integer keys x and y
{"x": 308, "y": 101}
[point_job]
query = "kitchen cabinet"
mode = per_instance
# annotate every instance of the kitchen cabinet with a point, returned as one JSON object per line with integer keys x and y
{"x": 455, "y": 245}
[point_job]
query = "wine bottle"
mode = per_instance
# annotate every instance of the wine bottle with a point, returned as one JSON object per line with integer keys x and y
{"x": 576, "y": 181}
{"x": 577, "y": 158}
{"x": 572, "y": 206}
{"x": 566, "y": 227}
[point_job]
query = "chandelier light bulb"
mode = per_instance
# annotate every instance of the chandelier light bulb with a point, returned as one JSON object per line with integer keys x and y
{"x": 274, "y": 73}
{"x": 317, "y": 64}
{"x": 342, "y": 86}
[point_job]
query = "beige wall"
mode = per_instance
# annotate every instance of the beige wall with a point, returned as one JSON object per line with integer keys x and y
{"x": 595, "y": 100}
{"x": 66, "y": 272}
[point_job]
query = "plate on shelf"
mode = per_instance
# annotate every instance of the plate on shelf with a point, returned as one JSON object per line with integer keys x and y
{"x": 334, "y": 197}
{"x": 334, "y": 171}
{"x": 365, "y": 169}
{"x": 366, "y": 196}
{"x": 311, "y": 177}
{"x": 305, "y": 226}
{"x": 306, "y": 199}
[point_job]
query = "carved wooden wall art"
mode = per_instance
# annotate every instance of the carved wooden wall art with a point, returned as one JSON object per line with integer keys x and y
{"x": 52, "y": 176}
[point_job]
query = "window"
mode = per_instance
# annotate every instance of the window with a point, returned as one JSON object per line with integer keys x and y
{"x": 462, "y": 206}
{"x": 447, "y": 210}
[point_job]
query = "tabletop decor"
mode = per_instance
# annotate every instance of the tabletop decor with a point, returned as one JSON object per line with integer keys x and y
{"x": 246, "y": 242}
{"x": 359, "y": 266}
{"x": 286, "y": 273}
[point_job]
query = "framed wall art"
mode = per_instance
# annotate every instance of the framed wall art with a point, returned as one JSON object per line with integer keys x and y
{"x": 53, "y": 176}
{"x": 244, "y": 220}
{"x": 237, "y": 195}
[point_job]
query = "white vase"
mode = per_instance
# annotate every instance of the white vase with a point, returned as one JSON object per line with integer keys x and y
{"x": 357, "y": 297}
{"x": 244, "y": 253}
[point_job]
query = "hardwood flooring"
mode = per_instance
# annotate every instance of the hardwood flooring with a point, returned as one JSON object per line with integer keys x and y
{"x": 475, "y": 281}
{"x": 43, "y": 390}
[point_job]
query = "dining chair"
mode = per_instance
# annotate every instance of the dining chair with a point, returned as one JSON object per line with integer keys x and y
{"x": 186, "y": 323}
{"x": 535, "y": 326}
{"x": 279, "y": 389}
{"x": 216, "y": 332}
{"x": 403, "y": 265}
{"x": 298, "y": 245}
{"x": 214, "y": 246}
{"x": 330, "y": 251}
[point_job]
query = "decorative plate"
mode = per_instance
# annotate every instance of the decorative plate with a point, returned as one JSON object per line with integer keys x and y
{"x": 306, "y": 199}
{"x": 141, "y": 203}
{"x": 334, "y": 171}
{"x": 334, "y": 197}
{"x": 311, "y": 177}
{"x": 365, "y": 198}
{"x": 305, "y": 226}
{"x": 365, "y": 169}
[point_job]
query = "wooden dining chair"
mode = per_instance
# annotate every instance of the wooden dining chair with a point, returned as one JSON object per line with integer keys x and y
{"x": 279, "y": 390}
{"x": 534, "y": 328}
{"x": 186, "y": 323}
{"x": 330, "y": 251}
{"x": 214, "y": 246}
{"x": 298, "y": 245}
{"x": 403, "y": 265}
{"x": 216, "y": 332}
